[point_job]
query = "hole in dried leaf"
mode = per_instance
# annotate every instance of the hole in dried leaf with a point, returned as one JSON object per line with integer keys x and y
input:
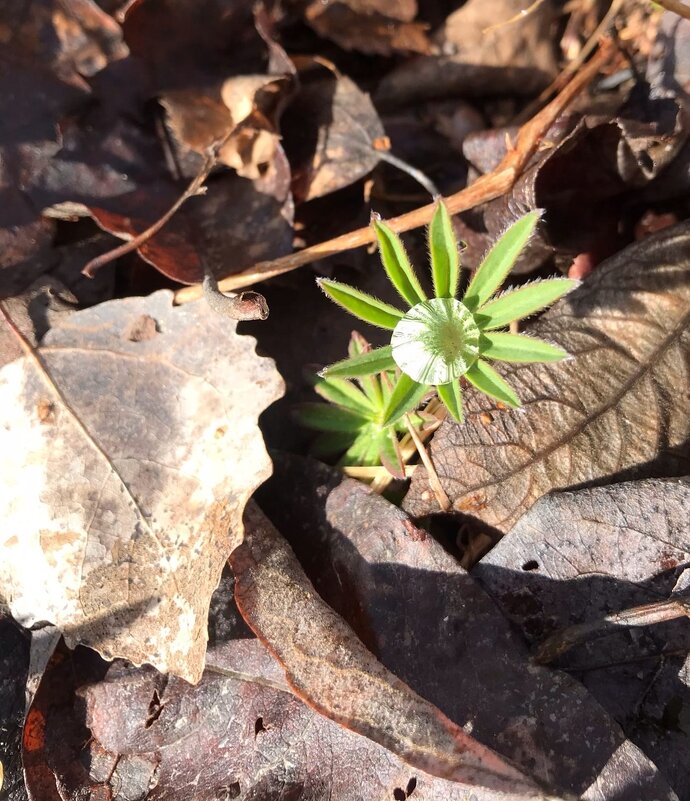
{"x": 231, "y": 791}
{"x": 399, "y": 794}
{"x": 155, "y": 709}
{"x": 259, "y": 727}
{"x": 532, "y": 564}
{"x": 411, "y": 786}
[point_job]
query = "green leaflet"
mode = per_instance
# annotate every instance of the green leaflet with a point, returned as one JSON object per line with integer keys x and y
{"x": 342, "y": 392}
{"x": 371, "y": 385}
{"x": 397, "y": 265}
{"x": 321, "y": 417}
{"x": 443, "y": 247}
{"x": 518, "y": 348}
{"x": 488, "y": 381}
{"x": 451, "y": 397}
{"x": 405, "y": 397}
{"x": 374, "y": 361}
{"x": 389, "y": 453}
{"x": 499, "y": 261}
{"x": 522, "y": 302}
{"x": 360, "y": 304}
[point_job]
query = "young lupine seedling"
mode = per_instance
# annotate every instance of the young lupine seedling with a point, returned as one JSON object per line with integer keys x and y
{"x": 439, "y": 340}
{"x": 352, "y": 422}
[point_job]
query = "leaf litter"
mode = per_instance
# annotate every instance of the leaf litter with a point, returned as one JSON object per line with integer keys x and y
{"x": 133, "y": 430}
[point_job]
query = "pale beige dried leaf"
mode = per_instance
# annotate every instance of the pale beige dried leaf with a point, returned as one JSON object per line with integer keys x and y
{"x": 122, "y": 486}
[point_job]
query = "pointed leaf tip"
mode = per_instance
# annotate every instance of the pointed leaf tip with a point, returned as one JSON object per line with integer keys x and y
{"x": 443, "y": 247}
{"x": 397, "y": 264}
{"x": 500, "y": 260}
{"x": 360, "y": 304}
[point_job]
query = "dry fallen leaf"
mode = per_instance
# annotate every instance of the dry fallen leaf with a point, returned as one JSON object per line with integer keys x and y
{"x": 240, "y": 733}
{"x": 619, "y": 408}
{"x": 121, "y": 505}
{"x": 331, "y": 670}
{"x": 431, "y": 623}
{"x": 576, "y": 557}
{"x": 479, "y": 56}
{"x": 329, "y": 129}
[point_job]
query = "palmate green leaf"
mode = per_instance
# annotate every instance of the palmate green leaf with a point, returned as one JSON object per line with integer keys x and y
{"x": 405, "y": 397}
{"x": 518, "y": 348}
{"x": 342, "y": 392}
{"x": 499, "y": 261}
{"x": 522, "y": 302}
{"x": 451, "y": 397}
{"x": 321, "y": 417}
{"x": 374, "y": 361}
{"x": 488, "y": 381}
{"x": 360, "y": 304}
{"x": 397, "y": 265}
{"x": 445, "y": 259}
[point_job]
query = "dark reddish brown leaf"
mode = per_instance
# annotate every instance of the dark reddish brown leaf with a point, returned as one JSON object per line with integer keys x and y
{"x": 240, "y": 733}
{"x": 235, "y": 224}
{"x": 619, "y": 407}
{"x": 432, "y": 624}
{"x": 330, "y": 669}
{"x": 576, "y": 557}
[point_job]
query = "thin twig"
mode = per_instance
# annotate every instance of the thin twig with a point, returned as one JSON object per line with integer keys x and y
{"x": 413, "y": 172}
{"x": 645, "y": 615}
{"x": 676, "y": 6}
{"x": 522, "y": 14}
{"x": 572, "y": 67}
{"x": 245, "y": 306}
{"x": 434, "y": 481}
{"x": 195, "y": 188}
{"x": 487, "y": 187}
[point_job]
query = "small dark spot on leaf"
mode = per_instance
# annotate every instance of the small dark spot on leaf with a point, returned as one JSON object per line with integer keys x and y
{"x": 531, "y": 564}
{"x": 399, "y": 794}
{"x": 220, "y": 432}
{"x": 411, "y": 786}
{"x": 259, "y": 727}
{"x": 141, "y": 329}
{"x": 45, "y": 409}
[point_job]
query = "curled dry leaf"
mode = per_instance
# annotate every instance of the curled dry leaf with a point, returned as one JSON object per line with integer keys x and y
{"x": 619, "y": 408}
{"x": 431, "y": 623}
{"x": 331, "y": 670}
{"x": 129, "y": 455}
{"x": 576, "y": 557}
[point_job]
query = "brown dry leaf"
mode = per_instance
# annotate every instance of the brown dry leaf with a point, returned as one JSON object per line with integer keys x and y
{"x": 240, "y": 733}
{"x": 380, "y": 27}
{"x": 235, "y": 224}
{"x": 331, "y": 670}
{"x": 619, "y": 408}
{"x": 576, "y": 557}
{"x": 125, "y": 475}
{"x": 328, "y": 131}
{"x": 431, "y": 623}
{"x": 478, "y": 57}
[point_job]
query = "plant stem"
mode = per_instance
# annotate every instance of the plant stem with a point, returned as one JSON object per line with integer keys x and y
{"x": 434, "y": 481}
